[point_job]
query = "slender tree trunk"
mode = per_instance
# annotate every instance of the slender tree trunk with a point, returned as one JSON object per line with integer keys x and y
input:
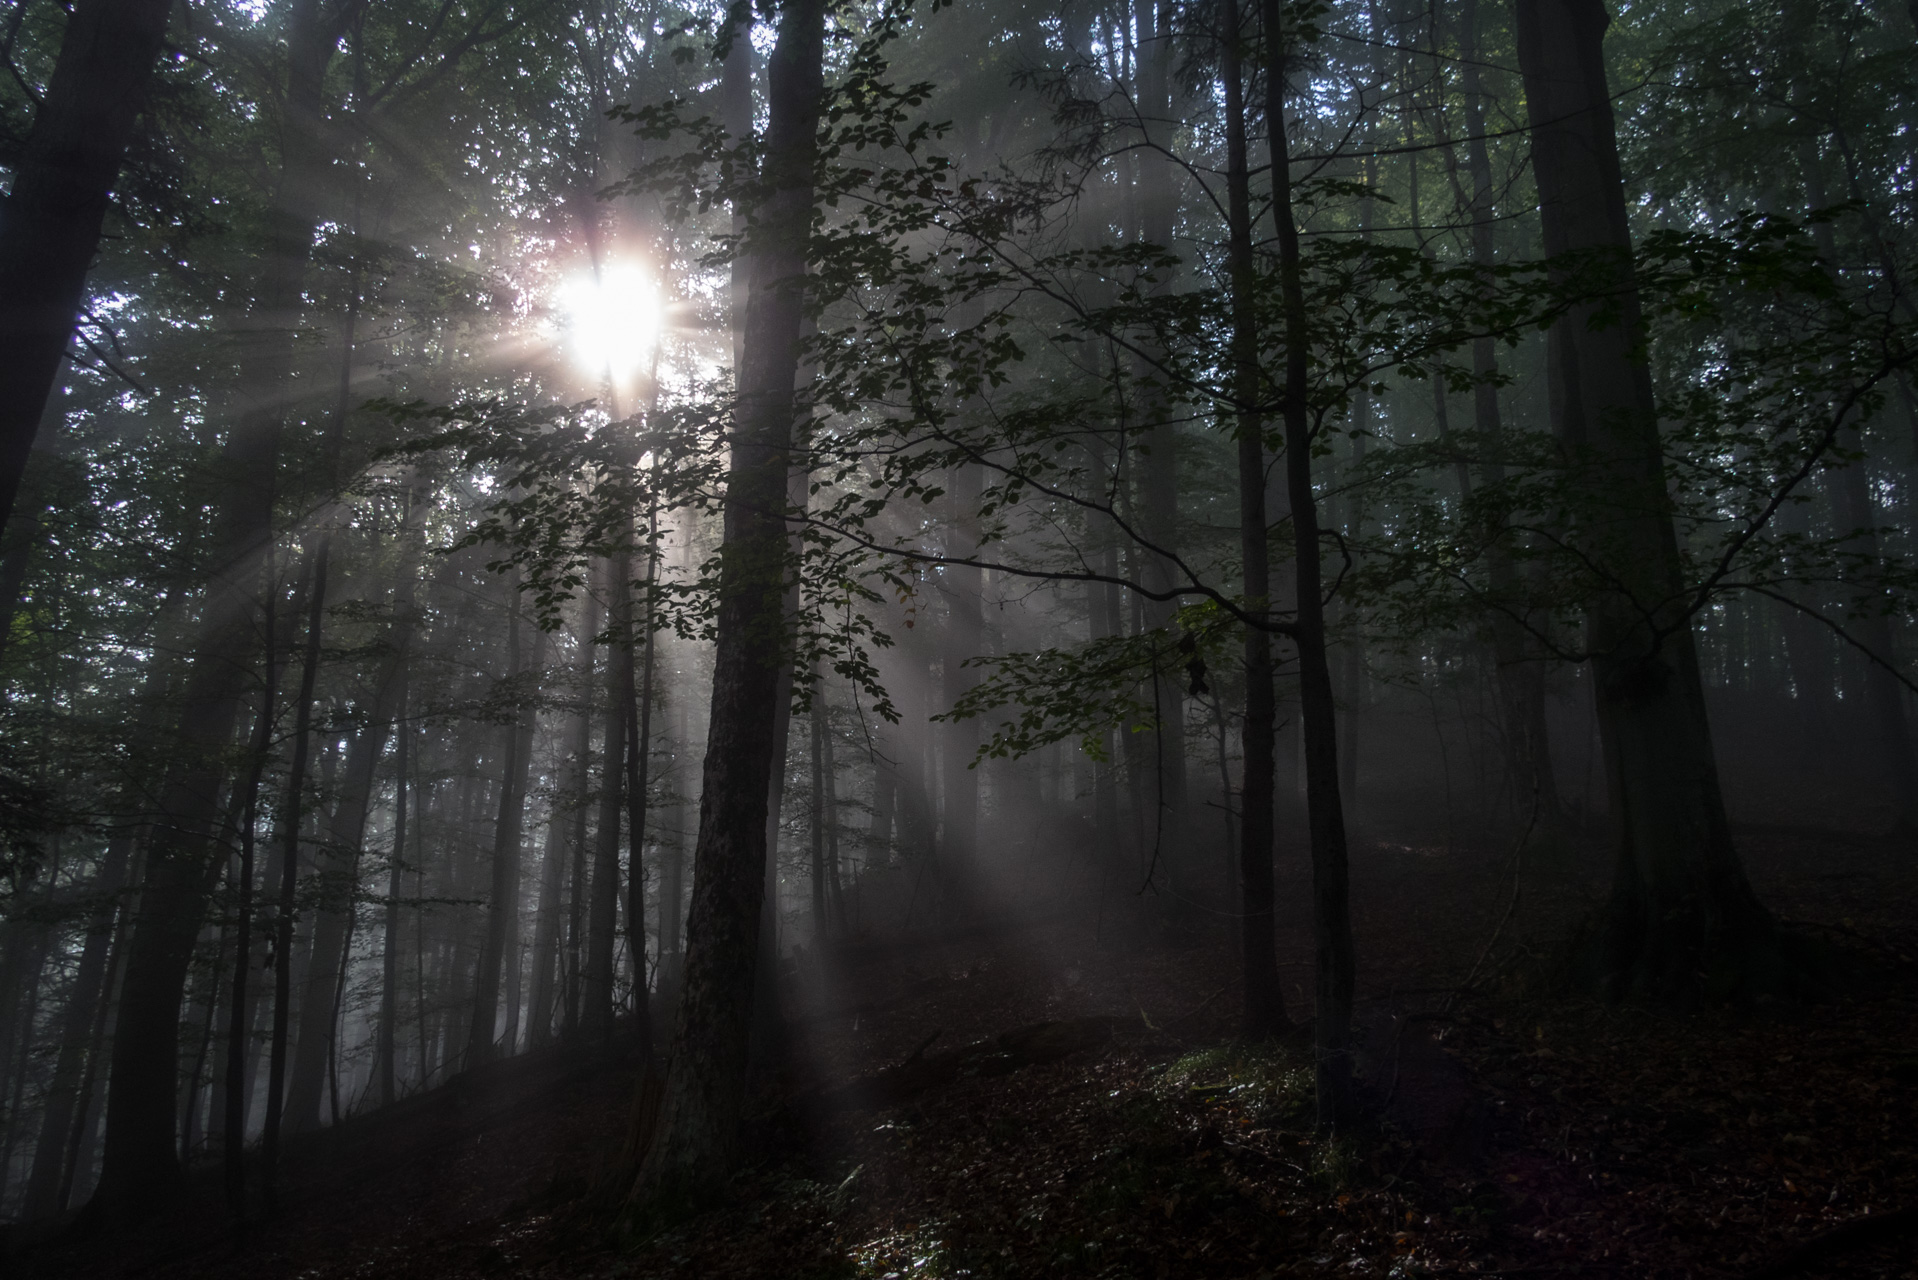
{"x": 502, "y": 907}
{"x": 336, "y": 1006}
{"x": 1264, "y": 1012}
{"x": 768, "y": 1024}
{"x": 672, "y": 870}
{"x": 338, "y": 877}
{"x": 547, "y": 928}
{"x": 389, "y": 1038}
{"x": 1102, "y": 621}
{"x": 1325, "y": 815}
{"x": 1349, "y": 659}
{"x": 31, "y": 985}
{"x": 736, "y": 116}
{"x": 885, "y": 799}
{"x": 84, "y": 1002}
{"x": 1682, "y": 919}
{"x": 234, "y": 1102}
{"x": 830, "y": 814}
{"x": 76, "y": 1163}
{"x": 639, "y": 765}
{"x": 1521, "y": 671}
{"x": 1896, "y": 761}
{"x": 818, "y": 812}
{"x": 695, "y": 1141}
{"x": 63, "y": 176}
{"x": 964, "y": 590}
{"x": 576, "y": 919}
{"x": 139, "y": 1158}
{"x": 603, "y": 923}
{"x": 289, "y": 830}
{"x": 1159, "y": 473}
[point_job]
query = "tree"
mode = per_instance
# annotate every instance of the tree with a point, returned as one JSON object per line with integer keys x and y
{"x": 697, "y": 1133}
{"x": 1682, "y": 919}
{"x": 62, "y": 186}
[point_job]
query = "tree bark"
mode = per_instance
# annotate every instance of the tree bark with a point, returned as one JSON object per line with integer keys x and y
{"x": 672, "y": 868}
{"x": 964, "y": 590}
{"x": 50, "y": 223}
{"x": 83, "y": 1004}
{"x": 820, "y": 898}
{"x": 289, "y": 831}
{"x": 139, "y": 1158}
{"x": 1682, "y": 920}
{"x": 577, "y": 924}
{"x": 548, "y": 962}
{"x": 338, "y": 874}
{"x": 388, "y": 1048}
{"x": 695, "y": 1139}
{"x": 239, "y": 1014}
{"x": 1521, "y": 670}
{"x": 502, "y": 903}
{"x": 1334, "y": 964}
{"x": 1159, "y": 473}
{"x": 603, "y": 913}
{"x": 639, "y": 764}
{"x": 1264, "y": 1000}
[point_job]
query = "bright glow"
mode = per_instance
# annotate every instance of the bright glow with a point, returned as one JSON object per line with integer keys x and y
{"x": 612, "y": 323}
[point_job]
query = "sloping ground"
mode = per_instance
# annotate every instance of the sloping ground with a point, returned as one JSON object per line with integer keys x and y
{"x": 1520, "y": 1137}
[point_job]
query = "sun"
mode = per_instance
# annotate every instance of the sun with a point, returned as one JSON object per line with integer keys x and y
{"x": 612, "y": 322}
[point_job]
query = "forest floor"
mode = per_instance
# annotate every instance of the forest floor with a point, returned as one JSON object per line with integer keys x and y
{"x": 1135, "y": 1139}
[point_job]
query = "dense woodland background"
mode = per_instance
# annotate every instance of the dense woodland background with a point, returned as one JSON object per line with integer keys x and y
{"x": 523, "y": 473}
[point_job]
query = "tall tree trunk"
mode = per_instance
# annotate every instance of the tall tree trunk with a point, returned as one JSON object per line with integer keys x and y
{"x": 548, "y": 962}
{"x": 768, "y": 1023}
{"x": 603, "y": 923}
{"x": 502, "y": 904}
{"x": 1264, "y": 1009}
{"x": 885, "y": 800}
{"x": 83, "y": 1007}
{"x": 139, "y": 1157}
{"x": 234, "y": 1103}
{"x": 1682, "y": 919}
{"x": 576, "y": 918}
{"x": 289, "y": 832}
{"x": 338, "y": 877}
{"x": 964, "y": 590}
{"x": 76, "y": 1163}
{"x": 1159, "y": 473}
{"x": 338, "y": 887}
{"x": 639, "y": 764}
{"x": 830, "y": 813}
{"x": 63, "y": 177}
{"x": 818, "y": 812}
{"x": 389, "y": 1037}
{"x": 1521, "y": 670}
{"x": 696, "y": 1135}
{"x": 1896, "y": 761}
{"x": 672, "y": 868}
{"x": 1325, "y": 815}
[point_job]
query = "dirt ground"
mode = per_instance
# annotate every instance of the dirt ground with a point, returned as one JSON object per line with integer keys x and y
{"x": 1516, "y": 1136}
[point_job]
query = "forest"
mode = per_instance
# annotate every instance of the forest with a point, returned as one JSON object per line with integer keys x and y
{"x": 861, "y": 639}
